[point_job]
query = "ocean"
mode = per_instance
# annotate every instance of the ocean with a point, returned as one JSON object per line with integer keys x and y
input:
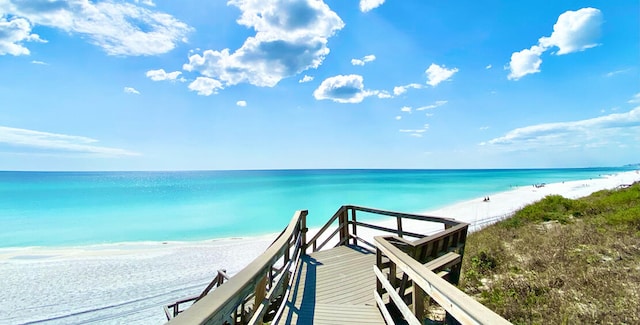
{"x": 57, "y": 209}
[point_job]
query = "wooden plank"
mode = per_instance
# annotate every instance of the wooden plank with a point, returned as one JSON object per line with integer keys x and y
{"x": 397, "y": 300}
{"x": 383, "y": 308}
{"x": 465, "y": 309}
{"x": 340, "y": 281}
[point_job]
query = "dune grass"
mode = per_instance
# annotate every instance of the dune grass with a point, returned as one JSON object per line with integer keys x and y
{"x": 561, "y": 261}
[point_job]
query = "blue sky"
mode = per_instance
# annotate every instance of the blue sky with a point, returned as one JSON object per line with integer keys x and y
{"x": 264, "y": 84}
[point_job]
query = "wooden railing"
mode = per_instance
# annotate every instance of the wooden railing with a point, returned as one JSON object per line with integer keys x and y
{"x": 348, "y": 223}
{"x": 256, "y": 290}
{"x": 404, "y": 271}
{"x": 426, "y": 279}
{"x": 172, "y": 310}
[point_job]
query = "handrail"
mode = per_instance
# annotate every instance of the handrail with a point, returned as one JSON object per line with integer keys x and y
{"x": 462, "y": 307}
{"x": 219, "y": 306}
{"x": 342, "y": 215}
{"x": 172, "y": 310}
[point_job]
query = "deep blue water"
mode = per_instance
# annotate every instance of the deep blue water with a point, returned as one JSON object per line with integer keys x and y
{"x": 80, "y": 208}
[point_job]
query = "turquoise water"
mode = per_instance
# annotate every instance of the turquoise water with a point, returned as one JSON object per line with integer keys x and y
{"x": 81, "y": 208}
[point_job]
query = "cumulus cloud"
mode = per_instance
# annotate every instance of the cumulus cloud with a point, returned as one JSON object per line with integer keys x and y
{"x": 343, "y": 89}
{"x": 205, "y": 86}
{"x": 525, "y": 62}
{"x": 131, "y": 90}
{"x": 305, "y": 79}
{"x": 574, "y": 31}
{"x": 432, "y": 106}
{"x": 13, "y": 32}
{"x": 366, "y": 59}
{"x": 399, "y": 90}
{"x": 241, "y": 103}
{"x": 118, "y": 28}
{"x": 367, "y": 5}
{"x": 291, "y": 37}
{"x": 604, "y": 129}
{"x": 437, "y": 74}
{"x": 160, "y": 75}
{"x": 57, "y": 142}
{"x": 398, "y": 117}
{"x": 406, "y": 109}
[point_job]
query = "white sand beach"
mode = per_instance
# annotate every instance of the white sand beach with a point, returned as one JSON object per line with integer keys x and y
{"x": 129, "y": 283}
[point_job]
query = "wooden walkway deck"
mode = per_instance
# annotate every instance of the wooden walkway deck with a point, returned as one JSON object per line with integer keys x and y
{"x": 334, "y": 286}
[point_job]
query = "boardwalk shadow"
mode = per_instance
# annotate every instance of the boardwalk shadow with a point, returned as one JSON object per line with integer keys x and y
{"x": 306, "y": 309}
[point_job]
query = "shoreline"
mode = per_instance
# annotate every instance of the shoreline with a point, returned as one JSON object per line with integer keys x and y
{"x": 130, "y": 282}
{"x": 476, "y": 212}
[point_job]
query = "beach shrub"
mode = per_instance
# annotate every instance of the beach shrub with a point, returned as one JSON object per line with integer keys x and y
{"x": 552, "y": 207}
{"x": 582, "y": 269}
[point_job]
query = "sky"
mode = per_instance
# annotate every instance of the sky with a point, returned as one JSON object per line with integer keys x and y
{"x": 283, "y": 84}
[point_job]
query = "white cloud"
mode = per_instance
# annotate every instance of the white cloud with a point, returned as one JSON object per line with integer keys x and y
{"x": 343, "y": 89}
{"x": 399, "y": 90}
{"x": 416, "y": 132}
{"x": 432, "y": 106}
{"x": 605, "y": 129}
{"x": 525, "y": 62}
{"x": 118, "y": 28}
{"x": 131, "y": 90}
{"x": 482, "y": 128}
{"x": 613, "y": 73}
{"x": 437, "y": 74}
{"x": 146, "y": 2}
{"x": 383, "y": 94}
{"x": 367, "y": 5}
{"x": 58, "y": 142}
{"x": 366, "y": 59}
{"x": 241, "y": 103}
{"x": 574, "y": 31}
{"x": 488, "y": 67}
{"x": 160, "y": 75}
{"x": 39, "y": 62}
{"x": 398, "y": 117}
{"x": 13, "y": 32}
{"x": 306, "y": 78}
{"x": 291, "y": 37}
{"x": 635, "y": 99}
{"x": 205, "y": 86}
{"x": 406, "y": 109}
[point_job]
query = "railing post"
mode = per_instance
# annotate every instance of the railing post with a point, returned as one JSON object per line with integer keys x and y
{"x": 354, "y": 228}
{"x": 379, "y": 266}
{"x": 399, "y": 220}
{"x": 418, "y": 302}
{"x": 303, "y": 231}
{"x": 260, "y": 294}
{"x": 342, "y": 224}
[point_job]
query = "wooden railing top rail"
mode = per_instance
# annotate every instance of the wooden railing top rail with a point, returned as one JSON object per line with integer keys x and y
{"x": 446, "y": 221}
{"x": 462, "y": 307}
{"x": 216, "y": 307}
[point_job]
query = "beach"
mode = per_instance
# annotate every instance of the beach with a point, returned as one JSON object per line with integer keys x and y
{"x": 129, "y": 283}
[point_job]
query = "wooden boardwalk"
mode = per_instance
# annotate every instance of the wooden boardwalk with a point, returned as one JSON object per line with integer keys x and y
{"x": 334, "y": 286}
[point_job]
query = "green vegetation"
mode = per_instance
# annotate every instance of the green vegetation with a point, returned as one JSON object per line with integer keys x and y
{"x": 561, "y": 261}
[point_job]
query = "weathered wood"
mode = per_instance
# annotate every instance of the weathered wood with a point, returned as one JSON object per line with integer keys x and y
{"x": 464, "y": 308}
{"x": 382, "y": 307}
{"x": 389, "y": 230}
{"x": 395, "y": 297}
{"x": 216, "y": 307}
